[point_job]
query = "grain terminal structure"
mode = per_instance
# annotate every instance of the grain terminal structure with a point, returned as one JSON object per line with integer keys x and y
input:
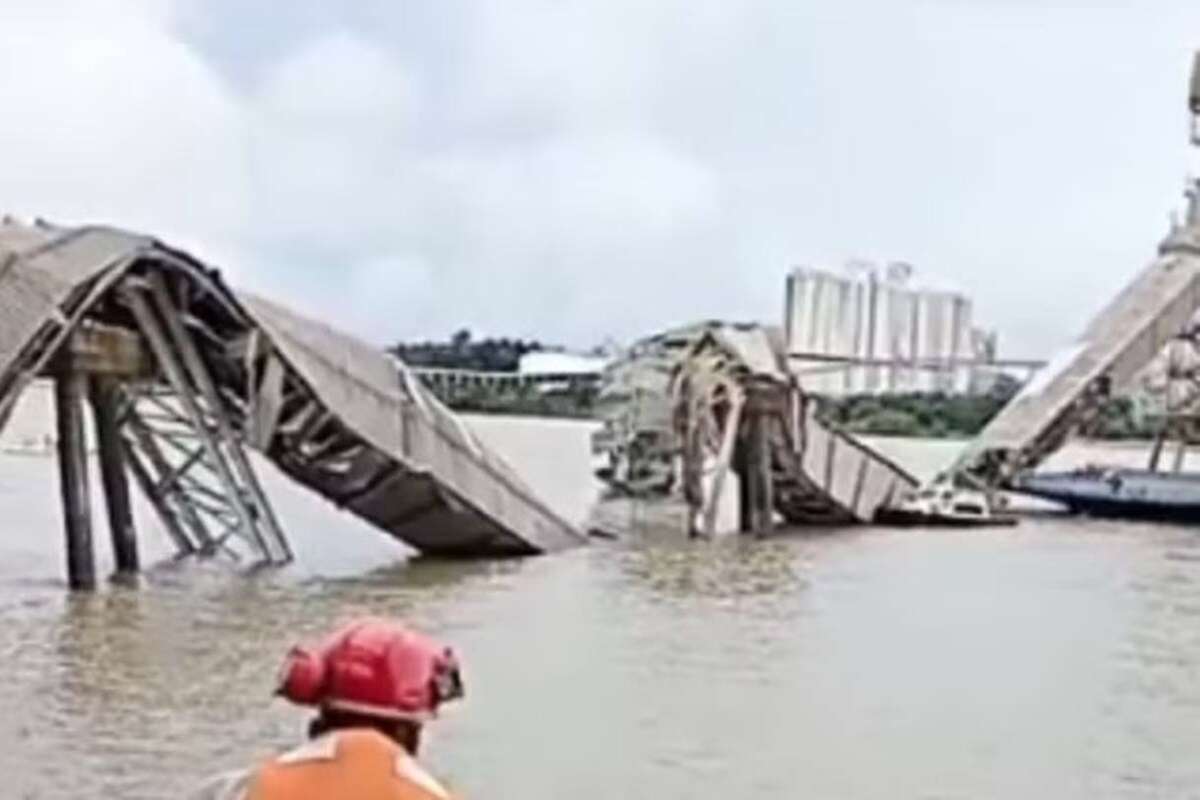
{"x": 866, "y": 333}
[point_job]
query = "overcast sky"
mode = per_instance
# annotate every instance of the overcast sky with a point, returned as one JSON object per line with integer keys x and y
{"x": 573, "y": 170}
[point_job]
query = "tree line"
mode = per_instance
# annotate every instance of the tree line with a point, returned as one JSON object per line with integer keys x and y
{"x": 916, "y": 414}
{"x": 938, "y": 415}
{"x": 464, "y": 352}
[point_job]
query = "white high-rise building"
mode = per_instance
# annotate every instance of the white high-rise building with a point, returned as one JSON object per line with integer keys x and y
{"x": 863, "y": 333}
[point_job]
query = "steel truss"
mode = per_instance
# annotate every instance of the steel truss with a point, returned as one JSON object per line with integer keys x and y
{"x": 183, "y": 446}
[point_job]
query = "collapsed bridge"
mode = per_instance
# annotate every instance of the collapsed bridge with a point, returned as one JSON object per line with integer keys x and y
{"x": 711, "y": 413}
{"x": 184, "y": 375}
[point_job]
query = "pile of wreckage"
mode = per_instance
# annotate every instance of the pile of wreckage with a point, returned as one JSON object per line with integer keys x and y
{"x": 711, "y": 415}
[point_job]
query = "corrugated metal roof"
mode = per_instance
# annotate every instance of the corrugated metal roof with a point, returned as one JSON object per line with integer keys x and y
{"x": 40, "y": 267}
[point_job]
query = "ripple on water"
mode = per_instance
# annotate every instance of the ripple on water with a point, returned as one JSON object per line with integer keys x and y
{"x": 1060, "y": 660}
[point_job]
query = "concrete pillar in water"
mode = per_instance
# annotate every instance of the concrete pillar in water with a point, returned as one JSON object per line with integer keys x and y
{"x": 106, "y": 400}
{"x": 70, "y": 392}
{"x": 746, "y": 485}
{"x": 758, "y": 492}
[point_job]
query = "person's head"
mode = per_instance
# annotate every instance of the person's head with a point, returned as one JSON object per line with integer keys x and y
{"x": 373, "y": 674}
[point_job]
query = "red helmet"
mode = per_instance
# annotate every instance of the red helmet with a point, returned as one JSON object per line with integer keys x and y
{"x": 373, "y": 667}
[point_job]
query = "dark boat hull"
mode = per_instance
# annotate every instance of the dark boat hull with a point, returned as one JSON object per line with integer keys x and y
{"x": 905, "y": 518}
{"x": 1120, "y": 493}
{"x": 1137, "y": 511}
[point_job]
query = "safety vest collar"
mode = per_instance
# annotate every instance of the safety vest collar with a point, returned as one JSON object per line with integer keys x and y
{"x": 323, "y": 748}
{"x": 408, "y": 769}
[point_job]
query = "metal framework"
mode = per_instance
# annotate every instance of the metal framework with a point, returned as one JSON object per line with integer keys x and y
{"x": 187, "y": 375}
{"x": 188, "y": 459}
{"x": 1126, "y": 335}
{"x": 738, "y": 410}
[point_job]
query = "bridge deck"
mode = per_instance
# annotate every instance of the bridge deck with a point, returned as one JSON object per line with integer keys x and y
{"x": 341, "y": 418}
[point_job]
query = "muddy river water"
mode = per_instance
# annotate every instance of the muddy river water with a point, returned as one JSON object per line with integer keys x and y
{"x": 1060, "y": 659}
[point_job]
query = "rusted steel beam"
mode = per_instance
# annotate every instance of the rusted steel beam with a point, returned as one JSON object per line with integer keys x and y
{"x": 98, "y": 349}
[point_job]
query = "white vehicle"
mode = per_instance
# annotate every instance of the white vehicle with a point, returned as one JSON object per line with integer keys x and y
{"x": 944, "y": 505}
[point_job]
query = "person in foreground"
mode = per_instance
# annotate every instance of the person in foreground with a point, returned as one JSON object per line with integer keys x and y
{"x": 375, "y": 684}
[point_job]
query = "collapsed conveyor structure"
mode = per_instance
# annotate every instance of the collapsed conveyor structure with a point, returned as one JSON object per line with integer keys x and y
{"x": 1117, "y": 345}
{"x": 1126, "y": 337}
{"x": 738, "y": 410}
{"x": 696, "y": 410}
{"x": 1104, "y": 361}
{"x": 185, "y": 375}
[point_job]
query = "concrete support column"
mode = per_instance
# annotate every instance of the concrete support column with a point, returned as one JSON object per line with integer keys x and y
{"x": 106, "y": 409}
{"x": 70, "y": 392}
{"x": 746, "y": 485}
{"x": 759, "y": 492}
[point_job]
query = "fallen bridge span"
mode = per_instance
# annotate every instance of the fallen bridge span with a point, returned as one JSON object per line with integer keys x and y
{"x": 185, "y": 374}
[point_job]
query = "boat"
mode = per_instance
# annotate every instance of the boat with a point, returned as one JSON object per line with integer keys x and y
{"x": 1119, "y": 493}
{"x": 1150, "y": 493}
{"x": 945, "y": 506}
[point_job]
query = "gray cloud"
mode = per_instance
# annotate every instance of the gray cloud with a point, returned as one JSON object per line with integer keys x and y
{"x": 573, "y": 170}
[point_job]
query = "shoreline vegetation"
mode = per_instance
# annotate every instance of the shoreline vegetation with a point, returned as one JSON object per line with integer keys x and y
{"x": 466, "y": 353}
{"x": 925, "y": 415}
{"x": 906, "y": 416}
{"x": 962, "y": 416}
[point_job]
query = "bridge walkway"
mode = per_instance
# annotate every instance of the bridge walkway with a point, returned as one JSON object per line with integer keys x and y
{"x": 230, "y": 370}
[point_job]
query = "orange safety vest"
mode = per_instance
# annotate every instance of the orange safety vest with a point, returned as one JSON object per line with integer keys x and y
{"x": 349, "y": 764}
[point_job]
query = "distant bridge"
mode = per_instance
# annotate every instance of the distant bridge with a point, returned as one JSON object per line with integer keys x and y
{"x": 449, "y": 382}
{"x": 184, "y": 374}
{"x": 808, "y": 363}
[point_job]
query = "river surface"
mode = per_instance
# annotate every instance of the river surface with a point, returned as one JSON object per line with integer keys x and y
{"x": 1060, "y": 659}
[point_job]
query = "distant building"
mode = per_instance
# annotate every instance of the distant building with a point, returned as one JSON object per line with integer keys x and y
{"x": 560, "y": 371}
{"x": 862, "y": 333}
{"x": 551, "y": 362}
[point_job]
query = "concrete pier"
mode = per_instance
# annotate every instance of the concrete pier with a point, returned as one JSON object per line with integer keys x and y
{"x": 758, "y": 501}
{"x": 105, "y": 397}
{"x": 70, "y": 394}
